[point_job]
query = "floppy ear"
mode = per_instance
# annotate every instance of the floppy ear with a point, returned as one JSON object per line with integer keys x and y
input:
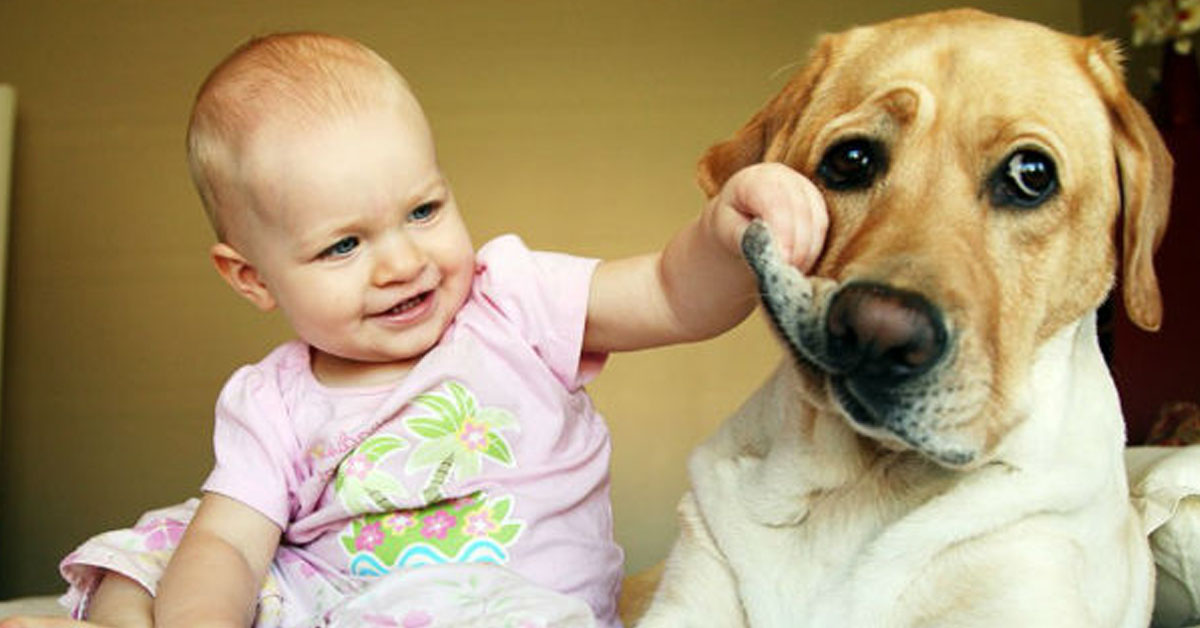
{"x": 1146, "y": 173}
{"x": 771, "y": 125}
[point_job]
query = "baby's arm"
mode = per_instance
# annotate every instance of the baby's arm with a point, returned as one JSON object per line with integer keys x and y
{"x": 699, "y": 286}
{"x": 215, "y": 575}
{"x": 213, "y": 579}
{"x": 117, "y": 602}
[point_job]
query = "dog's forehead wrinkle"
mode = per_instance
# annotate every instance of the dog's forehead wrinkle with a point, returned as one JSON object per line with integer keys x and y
{"x": 911, "y": 103}
{"x": 964, "y": 66}
{"x": 903, "y": 100}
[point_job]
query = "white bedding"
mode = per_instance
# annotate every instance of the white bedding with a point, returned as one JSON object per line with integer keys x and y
{"x": 441, "y": 595}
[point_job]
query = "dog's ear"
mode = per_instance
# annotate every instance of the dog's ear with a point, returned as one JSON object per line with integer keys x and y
{"x": 1146, "y": 174}
{"x": 754, "y": 141}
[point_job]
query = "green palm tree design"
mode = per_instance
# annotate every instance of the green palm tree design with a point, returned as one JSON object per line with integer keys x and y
{"x": 457, "y": 437}
{"x": 361, "y": 485}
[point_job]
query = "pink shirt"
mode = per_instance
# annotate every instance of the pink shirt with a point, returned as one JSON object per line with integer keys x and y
{"x": 488, "y": 451}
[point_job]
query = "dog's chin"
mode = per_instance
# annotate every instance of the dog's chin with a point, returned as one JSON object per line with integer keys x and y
{"x": 894, "y": 432}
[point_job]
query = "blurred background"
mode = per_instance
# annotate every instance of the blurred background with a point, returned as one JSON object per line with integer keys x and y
{"x": 574, "y": 124}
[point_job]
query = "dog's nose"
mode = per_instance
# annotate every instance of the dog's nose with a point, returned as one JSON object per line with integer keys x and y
{"x": 883, "y": 335}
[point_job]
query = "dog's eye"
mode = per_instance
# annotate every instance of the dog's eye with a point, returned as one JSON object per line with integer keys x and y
{"x": 852, "y": 164}
{"x": 1026, "y": 179}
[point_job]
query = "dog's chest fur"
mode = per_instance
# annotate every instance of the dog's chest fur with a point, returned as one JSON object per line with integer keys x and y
{"x": 815, "y": 522}
{"x": 815, "y": 496}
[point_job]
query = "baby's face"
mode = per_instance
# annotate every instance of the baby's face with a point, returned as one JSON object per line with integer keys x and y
{"x": 357, "y": 236}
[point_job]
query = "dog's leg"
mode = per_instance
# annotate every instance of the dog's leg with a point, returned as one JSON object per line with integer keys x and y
{"x": 697, "y": 589}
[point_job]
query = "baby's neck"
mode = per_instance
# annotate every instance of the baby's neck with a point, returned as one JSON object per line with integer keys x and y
{"x": 337, "y": 372}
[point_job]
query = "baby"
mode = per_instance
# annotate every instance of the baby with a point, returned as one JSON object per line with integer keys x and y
{"x": 431, "y": 412}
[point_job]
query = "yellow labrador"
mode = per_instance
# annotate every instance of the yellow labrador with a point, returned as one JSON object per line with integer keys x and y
{"x": 945, "y": 449}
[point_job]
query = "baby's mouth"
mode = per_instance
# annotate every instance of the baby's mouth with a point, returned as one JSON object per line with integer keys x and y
{"x": 406, "y": 305}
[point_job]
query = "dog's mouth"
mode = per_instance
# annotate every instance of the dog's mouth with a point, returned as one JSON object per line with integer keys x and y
{"x": 859, "y": 412}
{"x": 878, "y": 369}
{"x": 896, "y": 424}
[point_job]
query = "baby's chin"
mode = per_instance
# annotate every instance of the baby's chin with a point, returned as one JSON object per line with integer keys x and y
{"x": 375, "y": 370}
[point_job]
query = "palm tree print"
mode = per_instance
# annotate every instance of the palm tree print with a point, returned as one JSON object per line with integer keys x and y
{"x": 364, "y": 487}
{"x": 457, "y": 437}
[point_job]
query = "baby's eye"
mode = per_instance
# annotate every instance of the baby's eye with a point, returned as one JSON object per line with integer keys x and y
{"x": 342, "y": 247}
{"x": 424, "y": 212}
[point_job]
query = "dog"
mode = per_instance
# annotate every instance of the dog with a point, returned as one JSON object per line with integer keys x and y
{"x": 944, "y": 445}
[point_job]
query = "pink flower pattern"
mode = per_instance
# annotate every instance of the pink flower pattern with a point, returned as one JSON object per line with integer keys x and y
{"x": 438, "y": 525}
{"x": 358, "y": 465}
{"x": 479, "y": 524}
{"x": 400, "y": 521}
{"x": 159, "y": 534}
{"x": 473, "y": 435}
{"x": 369, "y": 537}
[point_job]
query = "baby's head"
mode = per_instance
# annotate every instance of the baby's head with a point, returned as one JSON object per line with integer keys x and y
{"x": 317, "y": 169}
{"x": 279, "y": 84}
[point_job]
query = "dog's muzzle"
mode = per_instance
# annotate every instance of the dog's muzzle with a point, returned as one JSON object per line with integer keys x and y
{"x": 875, "y": 343}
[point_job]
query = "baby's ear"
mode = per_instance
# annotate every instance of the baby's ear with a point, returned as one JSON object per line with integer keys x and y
{"x": 241, "y": 276}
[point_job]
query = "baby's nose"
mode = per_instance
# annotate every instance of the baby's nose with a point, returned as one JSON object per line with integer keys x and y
{"x": 398, "y": 259}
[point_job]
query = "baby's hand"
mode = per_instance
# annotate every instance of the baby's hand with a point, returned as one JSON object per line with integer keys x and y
{"x": 784, "y": 199}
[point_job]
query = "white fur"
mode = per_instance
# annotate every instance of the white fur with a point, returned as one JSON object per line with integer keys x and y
{"x": 790, "y": 524}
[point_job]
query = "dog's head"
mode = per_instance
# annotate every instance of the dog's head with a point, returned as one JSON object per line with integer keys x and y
{"x": 975, "y": 168}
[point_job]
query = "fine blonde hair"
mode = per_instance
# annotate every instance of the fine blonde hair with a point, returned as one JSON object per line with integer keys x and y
{"x": 295, "y": 79}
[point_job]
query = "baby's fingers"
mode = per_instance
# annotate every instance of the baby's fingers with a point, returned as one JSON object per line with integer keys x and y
{"x": 811, "y": 224}
{"x": 790, "y": 205}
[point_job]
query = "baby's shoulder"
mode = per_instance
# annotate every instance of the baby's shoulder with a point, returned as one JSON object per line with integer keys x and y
{"x": 282, "y": 371}
{"x": 507, "y": 265}
{"x": 502, "y": 251}
{"x": 290, "y": 360}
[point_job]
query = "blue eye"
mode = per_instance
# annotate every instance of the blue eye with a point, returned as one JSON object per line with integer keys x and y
{"x": 342, "y": 247}
{"x": 424, "y": 212}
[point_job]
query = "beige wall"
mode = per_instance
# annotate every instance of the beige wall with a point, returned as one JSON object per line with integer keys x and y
{"x": 575, "y": 124}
